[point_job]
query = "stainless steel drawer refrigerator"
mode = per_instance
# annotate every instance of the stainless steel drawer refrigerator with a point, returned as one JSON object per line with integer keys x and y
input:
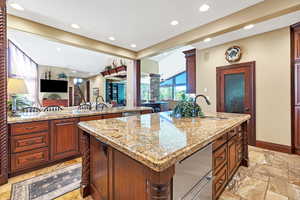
{"x": 193, "y": 176}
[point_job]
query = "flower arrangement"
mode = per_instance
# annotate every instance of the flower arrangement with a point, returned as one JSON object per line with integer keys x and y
{"x": 187, "y": 108}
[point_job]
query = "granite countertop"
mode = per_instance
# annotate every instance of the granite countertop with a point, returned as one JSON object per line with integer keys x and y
{"x": 158, "y": 140}
{"x": 68, "y": 113}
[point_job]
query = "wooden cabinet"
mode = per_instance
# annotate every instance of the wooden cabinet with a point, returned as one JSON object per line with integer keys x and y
{"x": 296, "y": 43}
{"x": 232, "y": 156}
{"x": 35, "y": 144}
{"x": 29, "y": 159}
{"x": 190, "y": 57}
{"x": 90, "y": 118}
{"x": 29, "y": 142}
{"x": 64, "y": 138}
{"x": 111, "y": 115}
{"x": 227, "y": 157}
{"x": 30, "y": 127}
{"x": 99, "y": 169}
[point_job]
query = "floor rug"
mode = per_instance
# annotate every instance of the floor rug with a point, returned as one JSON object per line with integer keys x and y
{"x": 48, "y": 186}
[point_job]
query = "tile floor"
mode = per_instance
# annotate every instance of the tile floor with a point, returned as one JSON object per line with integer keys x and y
{"x": 270, "y": 176}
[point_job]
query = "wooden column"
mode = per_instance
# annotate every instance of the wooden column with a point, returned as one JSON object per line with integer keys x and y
{"x": 3, "y": 96}
{"x": 295, "y": 87}
{"x": 190, "y": 57}
{"x": 85, "y": 152}
{"x": 137, "y": 82}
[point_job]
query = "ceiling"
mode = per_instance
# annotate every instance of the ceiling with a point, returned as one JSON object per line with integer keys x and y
{"x": 259, "y": 28}
{"x": 49, "y": 53}
{"x": 144, "y": 23}
{"x": 266, "y": 26}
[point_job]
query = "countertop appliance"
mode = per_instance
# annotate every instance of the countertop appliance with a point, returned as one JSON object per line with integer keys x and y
{"x": 193, "y": 176}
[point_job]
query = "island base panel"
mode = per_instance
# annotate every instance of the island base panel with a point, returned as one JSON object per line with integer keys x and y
{"x": 115, "y": 176}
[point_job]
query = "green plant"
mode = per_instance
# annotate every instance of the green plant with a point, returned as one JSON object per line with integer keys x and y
{"x": 187, "y": 108}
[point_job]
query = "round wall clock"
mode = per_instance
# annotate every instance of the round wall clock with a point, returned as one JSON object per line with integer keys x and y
{"x": 233, "y": 54}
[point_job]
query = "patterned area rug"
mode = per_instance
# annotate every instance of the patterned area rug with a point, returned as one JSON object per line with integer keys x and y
{"x": 48, "y": 186}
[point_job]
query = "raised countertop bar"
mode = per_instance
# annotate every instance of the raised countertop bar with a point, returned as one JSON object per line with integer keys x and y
{"x": 68, "y": 113}
{"x": 158, "y": 140}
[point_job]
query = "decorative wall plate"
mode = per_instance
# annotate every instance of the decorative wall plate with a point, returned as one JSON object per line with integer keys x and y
{"x": 233, "y": 54}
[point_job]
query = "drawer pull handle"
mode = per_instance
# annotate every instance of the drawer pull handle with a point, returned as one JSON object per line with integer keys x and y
{"x": 30, "y": 128}
{"x": 31, "y": 159}
{"x": 30, "y": 142}
{"x": 220, "y": 157}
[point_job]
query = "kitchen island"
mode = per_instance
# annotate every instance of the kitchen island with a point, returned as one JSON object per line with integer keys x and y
{"x": 151, "y": 156}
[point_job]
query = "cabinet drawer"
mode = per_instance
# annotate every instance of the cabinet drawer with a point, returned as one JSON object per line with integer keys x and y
{"x": 219, "y": 142}
{"x": 112, "y": 115}
{"x": 32, "y": 127}
{"x": 220, "y": 181}
{"x": 28, "y": 142}
{"x": 232, "y": 133}
{"x": 29, "y": 159}
{"x": 219, "y": 157}
{"x": 90, "y": 118}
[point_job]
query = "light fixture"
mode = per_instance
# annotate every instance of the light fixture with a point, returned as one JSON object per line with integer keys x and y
{"x": 58, "y": 49}
{"x": 174, "y": 23}
{"x": 133, "y": 45}
{"x": 207, "y": 40}
{"x": 75, "y": 26}
{"x": 16, "y": 6}
{"x": 112, "y": 38}
{"x": 77, "y": 81}
{"x": 204, "y": 8}
{"x": 248, "y": 26}
{"x": 74, "y": 71}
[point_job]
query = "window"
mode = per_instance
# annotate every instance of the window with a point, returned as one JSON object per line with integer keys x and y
{"x": 22, "y": 66}
{"x": 173, "y": 88}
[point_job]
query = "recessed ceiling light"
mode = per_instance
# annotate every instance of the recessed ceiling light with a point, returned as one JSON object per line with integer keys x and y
{"x": 133, "y": 45}
{"x": 75, "y": 26}
{"x": 58, "y": 49}
{"x": 112, "y": 38}
{"x": 207, "y": 40}
{"x": 248, "y": 26}
{"x": 174, "y": 23}
{"x": 16, "y": 6}
{"x": 204, "y": 8}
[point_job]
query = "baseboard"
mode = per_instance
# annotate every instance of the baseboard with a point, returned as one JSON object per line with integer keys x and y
{"x": 274, "y": 147}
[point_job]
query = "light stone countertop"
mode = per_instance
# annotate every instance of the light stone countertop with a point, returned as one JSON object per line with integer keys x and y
{"x": 69, "y": 113}
{"x": 158, "y": 140}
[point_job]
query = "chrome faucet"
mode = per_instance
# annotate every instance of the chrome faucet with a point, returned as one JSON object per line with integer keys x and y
{"x": 97, "y": 98}
{"x": 201, "y": 95}
{"x": 100, "y": 105}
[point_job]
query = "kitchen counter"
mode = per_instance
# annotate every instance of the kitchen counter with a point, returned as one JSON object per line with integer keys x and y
{"x": 69, "y": 113}
{"x": 146, "y": 148}
{"x": 158, "y": 140}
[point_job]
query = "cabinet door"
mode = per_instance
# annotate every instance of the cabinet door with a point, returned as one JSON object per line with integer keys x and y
{"x": 64, "y": 138}
{"x": 99, "y": 169}
{"x": 297, "y": 129}
{"x": 297, "y": 44}
{"x": 232, "y": 156}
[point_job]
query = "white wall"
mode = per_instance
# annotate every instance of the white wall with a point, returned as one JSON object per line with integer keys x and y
{"x": 271, "y": 51}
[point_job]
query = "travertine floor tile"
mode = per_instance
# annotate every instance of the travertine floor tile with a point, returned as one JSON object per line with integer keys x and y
{"x": 252, "y": 189}
{"x": 274, "y": 196}
{"x": 271, "y": 176}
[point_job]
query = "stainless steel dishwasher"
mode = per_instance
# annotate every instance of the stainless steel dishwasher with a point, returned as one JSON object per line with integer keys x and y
{"x": 193, "y": 176}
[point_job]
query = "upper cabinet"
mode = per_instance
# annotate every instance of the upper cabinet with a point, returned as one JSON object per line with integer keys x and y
{"x": 190, "y": 57}
{"x": 297, "y": 43}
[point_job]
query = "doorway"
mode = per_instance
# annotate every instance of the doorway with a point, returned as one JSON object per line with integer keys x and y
{"x": 236, "y": 93}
